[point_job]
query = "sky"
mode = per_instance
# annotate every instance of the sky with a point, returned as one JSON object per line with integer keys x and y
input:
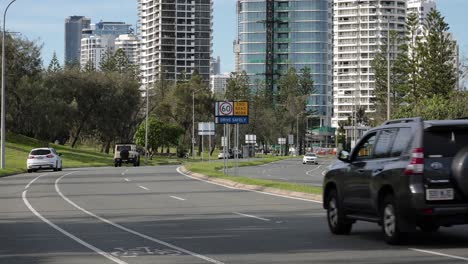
{"x": 43, "y": 21}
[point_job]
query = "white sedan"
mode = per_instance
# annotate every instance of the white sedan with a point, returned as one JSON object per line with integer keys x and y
{"x": 310, "y": 158}
{"x": 43, "y": 158}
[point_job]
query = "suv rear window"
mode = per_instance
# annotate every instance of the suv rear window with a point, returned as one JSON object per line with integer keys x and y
{"x": 445, "y": 142}
{"x": 40, "y": 152}
{"x": 120, "y": 148}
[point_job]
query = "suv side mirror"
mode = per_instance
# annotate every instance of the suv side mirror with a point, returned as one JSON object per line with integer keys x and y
{"x": 343, "y": 155}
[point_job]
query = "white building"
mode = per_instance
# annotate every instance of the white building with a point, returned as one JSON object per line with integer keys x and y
{"x": 360, "y": 29}
{"x": 421, "y": 8}
{"x": 93, "y": 49}
{"x": 130, "y": 45}
{"x": 218, "y": 83}
{"x": 176, "y": 38}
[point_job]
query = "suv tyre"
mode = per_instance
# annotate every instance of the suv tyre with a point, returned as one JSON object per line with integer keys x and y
{"x": 390, "y": 222}
{"x": 336, "y": 218}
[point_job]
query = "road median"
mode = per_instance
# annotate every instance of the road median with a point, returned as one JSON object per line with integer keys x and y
{"x": 211, "y": 173}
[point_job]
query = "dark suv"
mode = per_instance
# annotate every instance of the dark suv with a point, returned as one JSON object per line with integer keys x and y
{"x": 404, "y": 174}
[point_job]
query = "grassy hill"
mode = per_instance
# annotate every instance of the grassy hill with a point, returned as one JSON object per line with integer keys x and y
{"x": 18, "y": 148}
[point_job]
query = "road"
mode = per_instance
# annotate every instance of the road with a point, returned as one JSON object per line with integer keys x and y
{"x": 156, "y": 215}
{"x": 290, "y": 170}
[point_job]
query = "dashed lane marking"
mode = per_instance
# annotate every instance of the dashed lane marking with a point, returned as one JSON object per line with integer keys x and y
{"x": 178, "y": 198}
{"x": 252, "y": 216}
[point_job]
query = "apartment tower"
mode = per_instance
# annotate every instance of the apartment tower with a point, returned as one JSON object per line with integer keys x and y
{"x": 176, "y": 38}
{"x": 73, "y": 28}
{"x": 274, "y": 35}
{"x": 360, "y": 30}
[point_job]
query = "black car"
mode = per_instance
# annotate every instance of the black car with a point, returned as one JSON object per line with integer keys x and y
{"x": 403, "y": 175}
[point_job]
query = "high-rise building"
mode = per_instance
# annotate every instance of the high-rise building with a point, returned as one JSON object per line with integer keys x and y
{"x": 110, "y": 28}
{"x": 73, "y": 28}
{"x": 360, "y": 30}
{"x": 130, "y": 45}
{"x": 176, "y": 38}
{"x": 215, "y": 66}
{"x": 105, "y": 37}
{"x": 93, "y": 49}
{"x": 218, "y": 83}
{"x": 421, "y": 8}
{"x": 275, "y": 35}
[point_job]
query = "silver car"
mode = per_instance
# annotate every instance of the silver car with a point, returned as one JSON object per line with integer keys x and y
{"x": 44, "y": 158}
{"x": 310, "y": 158}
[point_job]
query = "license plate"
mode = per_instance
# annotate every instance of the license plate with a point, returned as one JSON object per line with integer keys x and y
{"x": 439, "y": 194}
{"x": 39, "y": 157}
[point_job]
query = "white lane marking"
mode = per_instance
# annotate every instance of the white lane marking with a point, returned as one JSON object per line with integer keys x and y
{"x": 284, "y": 179}
{"x": 323, "y": 172}
{"x": 45, "y": 220}
{"x": 143, "y": 187}
{"x": 178, "y": 198}
{"x": 237, "y": 188}
{"x": 35, "y": 179}
{"x": 314, "y": 169}
{"x": 127, "y": 180}
{"x": 438, "y": 254}
{"x": 123, "y": 173}
{"x": 252, "y": 216}
{"x": 57, "y": 189}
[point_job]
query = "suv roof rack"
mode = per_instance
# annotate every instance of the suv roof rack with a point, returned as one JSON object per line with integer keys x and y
{"x": 403, "y": 120}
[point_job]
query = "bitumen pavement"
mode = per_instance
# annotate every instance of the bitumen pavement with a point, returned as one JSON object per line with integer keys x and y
{"x": 159, "y": 215}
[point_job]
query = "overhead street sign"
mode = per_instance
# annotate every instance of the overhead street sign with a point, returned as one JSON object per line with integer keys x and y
{"x": 206, "y": 129}
{"x": 232, "y": 120}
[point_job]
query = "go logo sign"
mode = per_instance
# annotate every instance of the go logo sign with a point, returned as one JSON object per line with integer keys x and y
{"x": 225, "y": 108}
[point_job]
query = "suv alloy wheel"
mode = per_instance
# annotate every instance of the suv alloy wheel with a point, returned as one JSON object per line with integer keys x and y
{"x": 335, "y": 217}
{"x": 390, "y": 222}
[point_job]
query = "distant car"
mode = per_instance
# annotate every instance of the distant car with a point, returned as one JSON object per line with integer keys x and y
{"x": 310, "y": 158}
{"x": 44, "y": 158}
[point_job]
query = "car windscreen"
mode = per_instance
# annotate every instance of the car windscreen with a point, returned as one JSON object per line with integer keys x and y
{"x": 445, "y": 142}
{"x": 310, "y": 155}
{"x": 40, "y": 152}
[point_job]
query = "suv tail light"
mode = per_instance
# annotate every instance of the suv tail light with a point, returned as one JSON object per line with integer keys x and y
{"x": 30, "y": 157}
{"x": 416, "y": 165}
{"x": 50, "y": 156}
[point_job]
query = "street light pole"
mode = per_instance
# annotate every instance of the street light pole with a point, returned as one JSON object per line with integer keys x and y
{"x": 297, "y": 134}
{"x": 2, "y": 133}
{"x": 146, "y": 125}
{"x": 388, "y": 68}
{"x": 193, "y": 125}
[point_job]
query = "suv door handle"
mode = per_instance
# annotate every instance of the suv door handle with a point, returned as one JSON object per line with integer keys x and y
{"x": 361, "y": 170}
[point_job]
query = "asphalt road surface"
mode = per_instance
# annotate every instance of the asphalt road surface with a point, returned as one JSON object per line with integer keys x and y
{"x": 290, "y": 170}
{"x": 156, "y": 215}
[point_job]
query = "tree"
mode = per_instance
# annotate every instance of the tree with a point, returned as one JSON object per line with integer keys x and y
{"x": 438, "y": 76}
{"x": 306, "y": 82}
{"x": 160, "y": 134}
{"x": 237, "y": 87}
{"x": 54, "y": 65}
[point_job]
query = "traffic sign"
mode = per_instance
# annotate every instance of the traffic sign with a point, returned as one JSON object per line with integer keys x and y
{"x": 206, "y": 129}
{"x": 232, "y": 120}
{"x": 225, "y": 109}
{"x": 241, "y": 108}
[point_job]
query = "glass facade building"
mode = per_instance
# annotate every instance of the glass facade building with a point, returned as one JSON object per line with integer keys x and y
{"x": 302, "y": 36}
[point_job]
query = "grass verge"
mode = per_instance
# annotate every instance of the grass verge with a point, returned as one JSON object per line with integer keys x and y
{"x": 214, "y": 170}
{"x": 18, "y": 148}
